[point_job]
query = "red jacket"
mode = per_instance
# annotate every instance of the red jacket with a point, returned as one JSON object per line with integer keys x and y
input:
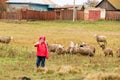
{"x": 42, "y": 49}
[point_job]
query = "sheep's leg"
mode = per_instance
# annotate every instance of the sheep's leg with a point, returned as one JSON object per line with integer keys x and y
{"x": 118, "y": 55}
{"x": 105, "y": 55}
{"x": 112, "y": 54}
{"x": 99, "y": 43}
{"x": 105, "y": 42}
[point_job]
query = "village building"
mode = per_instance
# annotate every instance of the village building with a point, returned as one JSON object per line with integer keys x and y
{"x": 110, "y": 5}
{"x": 36, "y": 5}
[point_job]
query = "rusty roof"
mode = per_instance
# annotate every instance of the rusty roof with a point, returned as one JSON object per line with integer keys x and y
{"x": 115, "y": 3}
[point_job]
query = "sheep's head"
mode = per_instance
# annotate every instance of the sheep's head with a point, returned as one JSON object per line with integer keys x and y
{"x": 84, "y": 43}
{"x": 118, "y": 51}
{"x": 71, "y": 44}
{"x": 11, "y": 37}
{"x": 102, "y": 46}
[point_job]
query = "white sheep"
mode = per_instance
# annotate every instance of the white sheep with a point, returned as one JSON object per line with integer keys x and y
{"x": 60, "y": 50}
{"x": 70, "y": 47}
{"x": 107, "y": 51}
{"x": 53, "y": 47}
{"x": 5, "y": 40}
{"x": 100, "y": 39}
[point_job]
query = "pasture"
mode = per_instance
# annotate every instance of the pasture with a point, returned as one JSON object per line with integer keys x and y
{"x": 18, "y": 58}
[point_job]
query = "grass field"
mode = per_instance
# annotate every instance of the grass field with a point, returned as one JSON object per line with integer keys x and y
{"x": 18, "y": 58}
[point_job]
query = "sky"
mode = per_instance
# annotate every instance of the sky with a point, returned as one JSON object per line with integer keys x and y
{"x": 63, "y": 2}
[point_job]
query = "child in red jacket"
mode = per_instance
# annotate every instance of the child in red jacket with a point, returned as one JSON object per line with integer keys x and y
{"x": 42, "y": 52}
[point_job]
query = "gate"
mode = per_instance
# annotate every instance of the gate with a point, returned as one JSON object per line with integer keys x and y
{"x": 94, "y": 15}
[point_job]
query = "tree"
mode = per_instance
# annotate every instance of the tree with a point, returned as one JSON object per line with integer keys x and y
{"x": 91, "y": 3}
{"x": 3, "y": 5}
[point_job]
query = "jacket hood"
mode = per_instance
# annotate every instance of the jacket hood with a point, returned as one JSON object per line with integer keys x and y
{"x": 42, "y": 37}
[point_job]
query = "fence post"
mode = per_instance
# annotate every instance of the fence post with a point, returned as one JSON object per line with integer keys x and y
{"x": 4, "y": 15}
{"x": 19, "y": 15}
{"x": 61, "y": 14}
{"x": 27, "y": 14}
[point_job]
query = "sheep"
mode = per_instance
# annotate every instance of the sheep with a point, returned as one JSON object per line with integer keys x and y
{"x": 75, "y": 49}
{"x": 82, "y": 51}
{"x": 84, "y": 44}
{"x": 5, "y": 40}
{"x": 25, "y": 78}
{"x": 101, "y": 39}
{"x": 60, "y": 50}
{"x": 70, "y": 47}
{"x": 53, "y": 47}
{"x": 107, "y": 51}
{"x": 118, "y": 52}
{"x": 85, "y": 51}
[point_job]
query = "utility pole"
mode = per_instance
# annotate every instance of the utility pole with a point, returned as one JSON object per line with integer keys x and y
{"x": 74, "y": 12}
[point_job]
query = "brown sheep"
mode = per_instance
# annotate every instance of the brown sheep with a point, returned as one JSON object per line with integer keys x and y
{"x": 107, "y": 51}
{"x": 84, "y": 44}
{"x": 85, "y": 51}
{"x": 118, "y": 52}
{"x": 100, "y": 39}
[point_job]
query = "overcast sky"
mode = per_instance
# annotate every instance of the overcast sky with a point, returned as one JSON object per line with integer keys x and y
{"x": 63, "y": 2}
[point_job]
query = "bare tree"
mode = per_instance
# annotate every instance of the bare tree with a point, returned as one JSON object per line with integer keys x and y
{"x": 91, "y": 3}
{"x": 3, "y": 5}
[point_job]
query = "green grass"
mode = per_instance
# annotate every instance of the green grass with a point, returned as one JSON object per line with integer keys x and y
{"x": 18, "y": 58}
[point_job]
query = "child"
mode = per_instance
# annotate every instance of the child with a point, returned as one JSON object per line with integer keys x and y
{"x": 42, "y": 52}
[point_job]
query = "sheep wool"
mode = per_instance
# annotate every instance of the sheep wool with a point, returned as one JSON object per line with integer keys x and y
{"x": 5, "y": 40}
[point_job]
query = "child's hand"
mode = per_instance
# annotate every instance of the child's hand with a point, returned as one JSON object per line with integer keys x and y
{"x": 36, "y": 44}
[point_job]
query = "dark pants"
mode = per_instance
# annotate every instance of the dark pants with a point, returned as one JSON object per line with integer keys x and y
{"x": 40, "y": 61}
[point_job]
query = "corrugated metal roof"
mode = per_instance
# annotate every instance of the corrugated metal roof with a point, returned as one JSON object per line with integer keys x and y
{"x": 32, "y": 1}
{"x": 115, "y": 3}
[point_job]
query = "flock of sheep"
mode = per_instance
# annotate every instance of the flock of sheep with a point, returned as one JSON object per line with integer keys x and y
{"x": 83, "y": 48}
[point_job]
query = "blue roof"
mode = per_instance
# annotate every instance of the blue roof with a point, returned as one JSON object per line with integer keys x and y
{"x": 26, "y": 3}
{"x": 48, "y": 2}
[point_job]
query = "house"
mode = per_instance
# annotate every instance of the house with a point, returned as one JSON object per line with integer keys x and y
{"x": 110, "y": 5}
{"x": 70, "y": 7}
{"x": 37, "y": 5}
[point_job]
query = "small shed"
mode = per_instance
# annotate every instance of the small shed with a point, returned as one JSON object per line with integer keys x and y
{"x": 93, "y": 14}
{"x": 110, "y": 5}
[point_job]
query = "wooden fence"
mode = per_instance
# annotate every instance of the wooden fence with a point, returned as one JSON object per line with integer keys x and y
{"x": 113, "y": 15}
{"x": 0, "y": 15}
{"x": 68, "y": 15}
{"x": 37, "y": 15}
{"x": 42, "y": 15}
{"x": 52, "y": 15}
